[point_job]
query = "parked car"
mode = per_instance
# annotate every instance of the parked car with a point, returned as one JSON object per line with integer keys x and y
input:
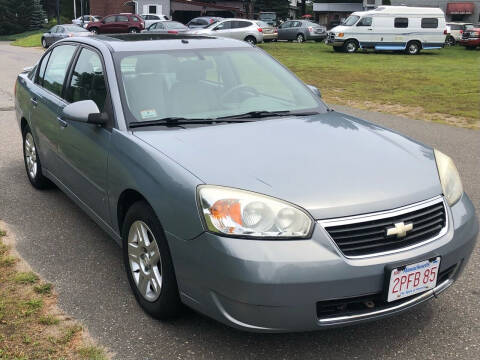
{"x": 301, "y": 31}
{"x": 456, "y": 30}
{"x": 85, "y": 19}
{"x": 270, "y": 17}
{"x": 392, "y": 28}
{"x": 270, "y": 33}
{"x": 203, "y": 22}
{"x": 167, "y": 27}
{"x": 59, "y": 32}
{"x": 185, "y": 157}
{"x": 471, "y": 38}
{"x": 240, "y": 29}
{"x": 150, "y": 19}
{"x": 117, "y": 23}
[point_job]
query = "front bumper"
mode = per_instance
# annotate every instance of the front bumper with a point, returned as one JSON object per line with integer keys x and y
{"x": 277, "y": 286}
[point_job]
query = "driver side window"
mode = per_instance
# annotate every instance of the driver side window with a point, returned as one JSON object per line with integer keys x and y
{"x": 224, "y": 26}
{"x": 366, "y": 21}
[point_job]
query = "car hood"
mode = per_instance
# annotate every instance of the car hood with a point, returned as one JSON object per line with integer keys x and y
{"x": 330, "y": 164}
{"x": 339, "y": 29}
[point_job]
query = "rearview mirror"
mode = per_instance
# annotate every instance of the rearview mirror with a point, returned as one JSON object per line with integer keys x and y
{"x": 315, "y": 90}
{"x": 85, "y": 111}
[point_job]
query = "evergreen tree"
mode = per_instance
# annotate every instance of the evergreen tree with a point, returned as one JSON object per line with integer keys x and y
{"x": 38, "y": 16}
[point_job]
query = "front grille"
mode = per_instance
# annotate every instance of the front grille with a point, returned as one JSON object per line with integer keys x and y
{"x": 363, "y": 236}
{"x": 356, "y": 305}
{"x": 331, "y": 36}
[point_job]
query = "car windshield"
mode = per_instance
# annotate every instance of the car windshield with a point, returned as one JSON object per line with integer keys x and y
{"x": 208, "y": 84}
{"x": 175, "y": 25}
{"x": 268, "y": 16}
{"x": 351, "y": 20}
{"x": 74, "y": 28}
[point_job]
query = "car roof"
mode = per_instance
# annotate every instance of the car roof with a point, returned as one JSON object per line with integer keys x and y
{"x": 158, "y": 42}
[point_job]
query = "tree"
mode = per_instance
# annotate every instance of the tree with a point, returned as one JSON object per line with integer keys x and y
{"x": 38, "y": 16}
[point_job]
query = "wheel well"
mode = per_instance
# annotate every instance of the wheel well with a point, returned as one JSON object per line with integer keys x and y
{"x": 415, "y": 41}
{"x": 126, "y": 199}
{"x": 352, "y": 39}
{"x": 23, "y": 125}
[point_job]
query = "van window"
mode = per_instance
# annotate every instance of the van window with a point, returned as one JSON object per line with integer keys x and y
{"x": 351, "y": 20}
{"x": 430, "y": 23}
{"x": 366, "y": 21}
{"x": 401, "y": 22}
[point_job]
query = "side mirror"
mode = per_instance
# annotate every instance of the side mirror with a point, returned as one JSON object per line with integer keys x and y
{"x": 315, "y": 90}
{"x": 85, "y": 111}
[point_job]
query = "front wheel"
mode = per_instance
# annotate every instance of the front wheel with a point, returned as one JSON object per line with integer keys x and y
{"x": 133, "y": 31}
{"x": 44, "y": 43}
{"x": 350, "y": 46}
{"x": 32, "y": 162}
{"x": 94, "y": 31}
{"x": 148, "y": 263}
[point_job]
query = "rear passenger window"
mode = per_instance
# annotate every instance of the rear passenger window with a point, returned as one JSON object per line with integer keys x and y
{"x": 122, "y": 18}
{"x": 57, "y": 68}
{"x": 41, "y": 71}
{"x": 401, "y": 22}
{"x": 88, "y": 81}
{"x": 241, "y": 24}
{"x": 429, "y": 23}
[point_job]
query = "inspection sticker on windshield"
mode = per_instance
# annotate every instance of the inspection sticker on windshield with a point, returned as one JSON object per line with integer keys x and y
{"x": 147, "y": 114}
{"x": 413, "y": 279}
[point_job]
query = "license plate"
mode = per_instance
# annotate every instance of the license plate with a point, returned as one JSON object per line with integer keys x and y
{"x": 413, "y": 279}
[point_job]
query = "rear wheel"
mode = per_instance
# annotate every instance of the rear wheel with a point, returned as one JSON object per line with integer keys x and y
{"x": 350, "y": 46}
{"x": 300, "y": 38}
{"x": 413, "y": 48}
{"x": 32, "y": 162}
{"x": 450, "y": 41}
{"x": 251, "y": 40}
{"x": 148, "y": 263}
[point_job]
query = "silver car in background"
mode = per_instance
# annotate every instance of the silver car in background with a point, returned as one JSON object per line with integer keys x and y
{"x": 85, "y": 19}
{"x": 240, "y": 29}
{"x": 166, "y": 27}
{"x": 301, "y": 31}
{"x": 270, "y": 32}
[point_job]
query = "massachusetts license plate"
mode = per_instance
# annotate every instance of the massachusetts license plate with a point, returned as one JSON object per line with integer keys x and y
{"x": 413, "y": 279}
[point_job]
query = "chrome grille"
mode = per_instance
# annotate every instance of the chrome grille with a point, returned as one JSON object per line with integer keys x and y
{"x": 367, "y": 235}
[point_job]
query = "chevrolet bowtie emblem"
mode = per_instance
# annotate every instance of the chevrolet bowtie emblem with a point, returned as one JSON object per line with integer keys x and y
{"x": 400, "y": 229}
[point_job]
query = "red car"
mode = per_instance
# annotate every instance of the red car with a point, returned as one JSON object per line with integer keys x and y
{"x": 471, "y": 38}
{"x": 117, "y": 23}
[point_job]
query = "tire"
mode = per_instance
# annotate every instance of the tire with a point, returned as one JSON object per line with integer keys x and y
{"x": 450, "y": 41}
{"x": 350, "y": 46}
{"x": 44, "y": 43}
{"x": 133, "y": 31}
{"x": 300, "y": 38}
{"x": 337, "y": 48}
{"x": 33, "y": 166}
{"x": 470, "y": 47}
{"x": 148, "y": 258}
{"x": 413, "y": 48}
{"x": 251, "y": 40}
{"x": 94, "y": 30}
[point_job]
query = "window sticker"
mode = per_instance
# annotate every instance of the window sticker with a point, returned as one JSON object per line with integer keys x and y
{"x": 148, "y": 114}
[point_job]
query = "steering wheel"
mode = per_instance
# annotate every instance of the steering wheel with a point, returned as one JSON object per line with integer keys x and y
{"x": 239, "y": 88}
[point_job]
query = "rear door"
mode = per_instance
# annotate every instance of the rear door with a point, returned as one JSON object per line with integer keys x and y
{"x": 122, "y": 24}
{"x": 83, "y": 148}
{"x": 240, "y": 29}
{"x": 48, "y": 103}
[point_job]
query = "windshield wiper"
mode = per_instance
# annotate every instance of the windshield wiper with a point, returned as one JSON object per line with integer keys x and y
{"x": 176, "y": 121}
{"x": 263, "y": 114}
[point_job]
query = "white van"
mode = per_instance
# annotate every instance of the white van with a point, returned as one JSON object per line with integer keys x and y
{"x": 409, "y": 29}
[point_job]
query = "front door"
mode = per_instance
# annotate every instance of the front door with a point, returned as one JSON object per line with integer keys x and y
{"x": 83, "y": 148}
{"x": 47, "y": 103}
{"x": 108, "y": 25}
{"x": 224, "y": 29}
{"x": 365, "y": 33}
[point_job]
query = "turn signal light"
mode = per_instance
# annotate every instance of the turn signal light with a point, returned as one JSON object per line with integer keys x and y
{"x": 260, "y": 30}
{"x": 340, "y": 34}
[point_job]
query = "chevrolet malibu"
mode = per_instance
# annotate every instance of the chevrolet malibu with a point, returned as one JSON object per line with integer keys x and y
{"x": 233, "y": 189}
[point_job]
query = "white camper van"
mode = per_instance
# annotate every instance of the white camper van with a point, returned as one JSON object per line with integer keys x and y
{"x": 409, "y": 29}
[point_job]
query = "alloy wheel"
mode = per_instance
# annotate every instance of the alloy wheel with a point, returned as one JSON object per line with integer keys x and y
{"x": 300, "y": 38}
{"x": 145, "y": 262}
{"x": 44, "y": 43}
{"x": 30, "y": 155}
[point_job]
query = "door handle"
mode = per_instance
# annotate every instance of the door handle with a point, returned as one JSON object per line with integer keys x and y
{"x": 62, "y": 122}
{"x": 34, "y": 101}
{"x": 370, "y": 29}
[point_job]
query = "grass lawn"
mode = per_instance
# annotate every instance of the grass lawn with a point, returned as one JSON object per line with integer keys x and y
{"x": 439, "y": 85}
{"x": 31, "y": 327}
{"x": 30, "y": 40}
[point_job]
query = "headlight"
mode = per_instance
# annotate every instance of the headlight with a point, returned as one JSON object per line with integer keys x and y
{"x": 449, "y": 177}
{"x": 246, "y": 214}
